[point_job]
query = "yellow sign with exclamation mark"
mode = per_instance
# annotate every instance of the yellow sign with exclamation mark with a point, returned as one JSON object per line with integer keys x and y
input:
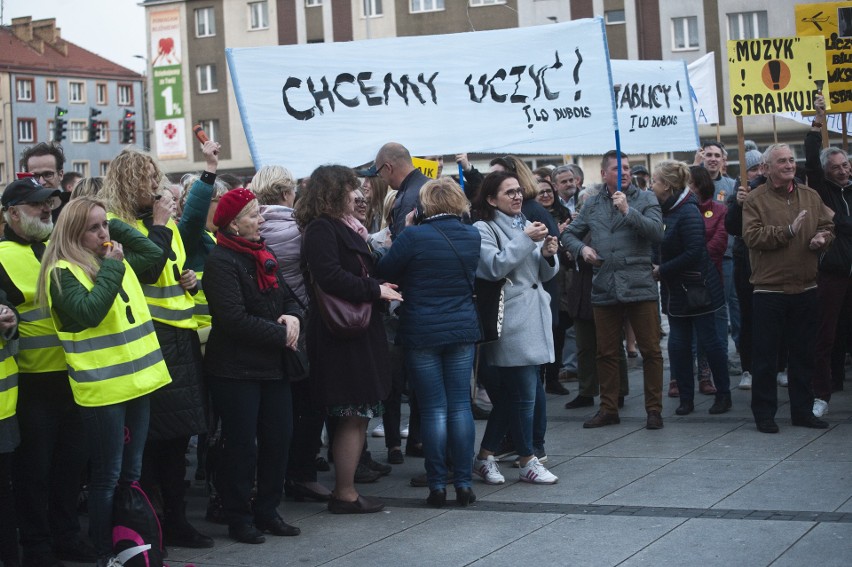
{"x": 780, "y": 74}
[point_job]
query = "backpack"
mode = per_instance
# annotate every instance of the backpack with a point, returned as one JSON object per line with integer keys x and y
{"x": 137, "y": 539}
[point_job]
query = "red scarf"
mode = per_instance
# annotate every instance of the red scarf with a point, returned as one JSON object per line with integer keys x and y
{"x": 267, "y": 265}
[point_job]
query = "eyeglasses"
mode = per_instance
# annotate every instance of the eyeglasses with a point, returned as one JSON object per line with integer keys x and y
{"x": 360, "y": 201}
{"x": 381, "y": 168}
{"x": 546, "y": 192}
{"x": 46, "y": 175}
{"x": 515, "y": 193}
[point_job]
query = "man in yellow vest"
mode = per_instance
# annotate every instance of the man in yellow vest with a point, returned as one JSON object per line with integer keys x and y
{"x": 51, "y": 457}
{"x": 9, "y": 435}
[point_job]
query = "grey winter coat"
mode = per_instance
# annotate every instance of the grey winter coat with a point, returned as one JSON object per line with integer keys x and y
{"x": 624, "y": 242}
{"x": 527, "y": 336}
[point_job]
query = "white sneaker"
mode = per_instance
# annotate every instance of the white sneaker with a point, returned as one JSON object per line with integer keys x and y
{"x": 535, "y": 473}
{"x": 745, "y": 381}
{"x": 489, "y": 471}
{"x": 403, "y": 432}
{"x": 820, "y": 407}
{"x": 782, "y": 379}
{"x": 379, "y": 430}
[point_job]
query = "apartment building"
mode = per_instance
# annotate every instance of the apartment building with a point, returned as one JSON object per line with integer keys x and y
{"x": 40, "y": 72}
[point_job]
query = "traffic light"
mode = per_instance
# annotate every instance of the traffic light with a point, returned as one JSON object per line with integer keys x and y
{"x": 59, "y": 125}
{"x": 94, "y": 124}
{"x": 128, "y": 127}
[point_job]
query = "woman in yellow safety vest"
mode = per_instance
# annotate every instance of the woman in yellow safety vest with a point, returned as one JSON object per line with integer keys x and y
{"x": 113, "y": 357}
{"x": 9, "y": 435}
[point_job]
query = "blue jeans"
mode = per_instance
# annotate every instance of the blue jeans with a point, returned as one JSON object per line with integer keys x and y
{"x": 731, "y": 299}
{"x": 441, "y": 379}
{"x": 513, "y": 391}
{"x": 680, "y": 353}
{"x": 721, "y": 330}
{"x": 116, "y": 435}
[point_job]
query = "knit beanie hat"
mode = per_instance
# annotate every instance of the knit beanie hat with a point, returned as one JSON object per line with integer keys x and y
{"x": 230, "y": 206}
{"x": 753, "y": 158}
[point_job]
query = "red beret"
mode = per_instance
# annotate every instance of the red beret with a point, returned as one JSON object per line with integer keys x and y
{"x": 230, "y": 206}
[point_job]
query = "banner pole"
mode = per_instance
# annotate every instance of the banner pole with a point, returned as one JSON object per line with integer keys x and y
{"x": 618, "y": 157}
{"x": 743, "y": 177}
{"x": 845, "y": 132}
{"x": 774, "y": 130}
{"x": 718, "y": 132}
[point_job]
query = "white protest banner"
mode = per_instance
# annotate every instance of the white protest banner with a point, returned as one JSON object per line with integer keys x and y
{"x": 654, "y": 106}
{"x": 702, "y": 78}
{"x": 833, "y": 122}
{"x": 534, "y": 90}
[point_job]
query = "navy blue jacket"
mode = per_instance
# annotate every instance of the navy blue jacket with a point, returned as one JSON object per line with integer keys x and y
{"x": 683, "y": 252}
{"x": 437, "y": 307}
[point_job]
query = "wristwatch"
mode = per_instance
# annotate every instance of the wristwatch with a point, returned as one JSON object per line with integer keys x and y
{"x": 816, "y": 124}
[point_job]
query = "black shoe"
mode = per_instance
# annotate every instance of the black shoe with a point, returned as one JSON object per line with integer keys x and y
{"x": 767, "y": 426}
{"x": 479, "y": 413}
{"x": 77, "y": 551}
{"x": 44, "y": 558}
{"x": 300, "y": 492}
{"x": 395, "y": 457}
{"x": 177, "y": 532}
{"x": 413, "y": 450}
{"x": 378, "y": 467}
{"x": 620, "y": 402}
{"x": 437, "y": 498}
{"x": 556, "y": 387}
{"x": 721, "y": 404}
{"x": 686, "y": 407}
{"x": 322, "y": 465}
{"x": 277, "y": 526}
{"x": 465, "y": 496}
{"x": 364, "y": 475}
{"x": 810, "y": 420}
{"x": 580, "y": 402}
{"x": 245, "y": 533}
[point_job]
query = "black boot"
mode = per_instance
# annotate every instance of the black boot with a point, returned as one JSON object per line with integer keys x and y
{"x": 721, "y": 404}
{"x": 177, "y": 531}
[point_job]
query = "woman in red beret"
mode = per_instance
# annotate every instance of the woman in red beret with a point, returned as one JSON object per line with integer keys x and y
{"x": 256, "y": 321}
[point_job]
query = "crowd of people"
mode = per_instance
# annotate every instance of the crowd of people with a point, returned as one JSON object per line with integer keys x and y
{"x": 258, "y": 314}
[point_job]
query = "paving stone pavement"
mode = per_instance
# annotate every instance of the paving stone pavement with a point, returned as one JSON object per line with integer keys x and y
{"x": 705, "y": 490}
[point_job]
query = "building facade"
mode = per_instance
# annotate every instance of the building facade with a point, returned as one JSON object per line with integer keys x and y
{"x": 636, "y": 29}
{"x": 40, "y": 72}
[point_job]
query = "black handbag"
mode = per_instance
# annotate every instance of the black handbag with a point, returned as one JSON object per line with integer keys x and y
{"x": 488, "y": 297}
{"x": 698, "y": 299}
{"x": 296, "y": 365}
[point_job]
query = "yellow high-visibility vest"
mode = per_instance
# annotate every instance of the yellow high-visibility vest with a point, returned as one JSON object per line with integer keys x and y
{"x": 201, "y": 313}
{"x": 118, "y": 360}
{"x": 38, "y": 347}
{"x": 8, "y": 381}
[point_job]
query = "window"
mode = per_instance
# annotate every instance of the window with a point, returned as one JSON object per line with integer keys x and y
{"x": 102, "y": 168}
{"x": 101, "y": 93}
{"x": 78, "y": 131}
{"x": 125, "y": 95}
{"x": 211, "y": 128}
{"x": 24, "y": 89}
{"x": 76, "y": 92}
{"x": 747, "y": 25}
{"x": 372, "y": 8}
{"x": 50, "y": 130}
{"x": 51, "y": 91}
{"x": 103, "y": 132}
{"x": 486, "y": 2}
{"x": 258, "y": 15}
{"x": 206, "y": 78}
{"x": 205, "y": 22}
{"x": 311, "y": 3}
{"x": 614, "y": 17}
{"x": 426, "y": 6}
{"x": 26, "y": 130}
{"x": 81, "y": 167}
{"x": 685, "y": 33}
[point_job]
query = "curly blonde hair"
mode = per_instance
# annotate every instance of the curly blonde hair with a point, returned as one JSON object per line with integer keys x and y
{"x": 125, "y": 179}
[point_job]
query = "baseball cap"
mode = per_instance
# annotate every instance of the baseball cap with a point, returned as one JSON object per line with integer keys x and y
{"x": 27, "y": 190}
{"x": 638, "y": 169}
{"x": 369, "y": 172}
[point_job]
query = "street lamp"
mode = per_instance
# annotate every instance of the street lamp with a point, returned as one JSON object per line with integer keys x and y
{"x": 146, "y": 128}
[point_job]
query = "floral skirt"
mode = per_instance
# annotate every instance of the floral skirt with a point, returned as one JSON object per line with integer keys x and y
{"x": 357, "y": 410}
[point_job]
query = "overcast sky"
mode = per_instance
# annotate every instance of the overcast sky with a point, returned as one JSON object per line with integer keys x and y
{"x": 114, "y": 29}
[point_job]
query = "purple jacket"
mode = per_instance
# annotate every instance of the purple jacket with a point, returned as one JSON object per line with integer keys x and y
{"x": 283, "y": 237}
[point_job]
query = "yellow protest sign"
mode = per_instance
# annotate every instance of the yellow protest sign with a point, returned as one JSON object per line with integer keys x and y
{"x": 833, "y": 21}
{"x": 427, "y": 167}
{"x": 779, "y": 74}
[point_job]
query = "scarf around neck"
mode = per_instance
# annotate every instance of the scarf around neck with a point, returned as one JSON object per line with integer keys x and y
{"x": 267, "y": 265}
